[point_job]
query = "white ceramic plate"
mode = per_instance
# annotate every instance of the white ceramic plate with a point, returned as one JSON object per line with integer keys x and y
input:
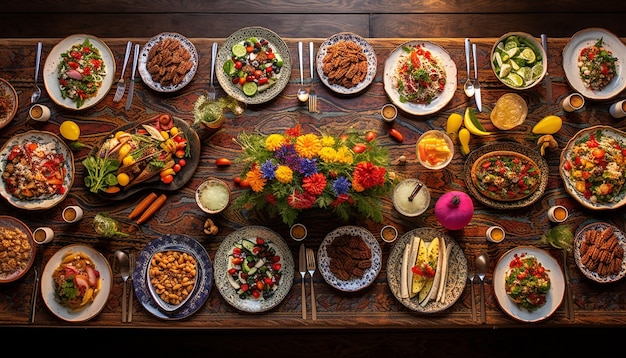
{"x": 47, "y": 284}
{"x": 40, "y": 137}
{"x": 370, "y": 274}
{"x": 146, "y": 77}
{"x": 585, "y": 38}
{"x": 438, "y": 103}
{"x": 457, "y": 271}
{"x": 7, "y": 91}
{"x": 221, "y": 267}
{"x": 592, "y": 275}
{"x": 225, "y": 52}
{"x": 203, "y": 283}
{"x": 368, "y": 50}
{"x": 554, "y": 296}
{"x": 570, "y": 187}
{"x": 50, "y": 72}
{"x": 11, "y": 223}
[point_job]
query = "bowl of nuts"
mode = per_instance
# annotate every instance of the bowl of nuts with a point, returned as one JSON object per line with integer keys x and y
{"x": 172, "y": 276}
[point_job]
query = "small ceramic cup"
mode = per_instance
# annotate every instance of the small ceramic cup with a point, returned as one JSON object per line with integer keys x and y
{"x": 618, "y": 109}
{"x": 389, "y": 112}
{"x": 495, "y": 234}
{"x": 39, "y": 112}
{"x": 573, "y": 102}
{"x": 389, "y": 233}
{"x": 43, "y": 235}
{"x": 72, "y": 213}
{"x": 298, "y": 232}
{"x": 558, "y": 214}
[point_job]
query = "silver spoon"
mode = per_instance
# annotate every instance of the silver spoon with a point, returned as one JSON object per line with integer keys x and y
{"x": 37, "y": 92}
{"x": 123, "y": 267}
{"x": 469, "y": 84}
{"x": 482, "y": 264}
{"x": 303, "y": 94}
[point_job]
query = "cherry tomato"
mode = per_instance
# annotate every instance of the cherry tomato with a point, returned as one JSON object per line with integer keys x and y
{"x": 396, "y": 134}
{"x": 270, "y": 56}
{"x": 238, "y": 65}
{"x": 223, "y": 162}
{"x": 359, "y": 148}
{"x": 167, "y": 179}
{"x": 256, "y": 294}
{"x": 276, "y": 266}
{"x": 242, "y": 80}
{"x": 236, "y": 260}
{"x": 237, "y": 181}
{"x": 182, "y": 162}
{"x": 260, "y": 241}
{"x": 258, "y": 73}
{"x": 262, "y": 81}
{"x": 245, "y": 287}
{"x": 177, "y": 168}
{"x": 260, "y": 285}
{"x": 245, "y": 183}
{"x": 370, "y": 136}
{"x": 268, "y": 281}
{"x": 179, "y": 153}
{"x": 232, "y": 271}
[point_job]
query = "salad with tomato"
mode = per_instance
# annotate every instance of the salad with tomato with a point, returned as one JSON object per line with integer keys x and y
{"x": 419, "y": 77}
{"x": 527, "y": 282}
{"x": 81, "y": 72}
{"x": 254, "y": 268}
{"x": 254, "y": 66}
{"x": 596, "y": 167}
{"x": 597, "y": 66}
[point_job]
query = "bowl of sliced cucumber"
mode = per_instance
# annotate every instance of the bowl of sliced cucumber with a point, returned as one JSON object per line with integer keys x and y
{"x": 518, "y": 60}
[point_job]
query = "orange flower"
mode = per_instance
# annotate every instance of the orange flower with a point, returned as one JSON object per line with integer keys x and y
{"x": 256, "y": 180}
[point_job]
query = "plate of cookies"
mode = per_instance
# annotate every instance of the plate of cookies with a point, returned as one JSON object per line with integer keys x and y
{"x": 167, "y": 62}
{"x": 599, "y": 252}
{"x": 349, "y": 258}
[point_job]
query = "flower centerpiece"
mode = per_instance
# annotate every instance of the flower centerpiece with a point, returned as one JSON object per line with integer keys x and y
{"x": 290, "y": 172}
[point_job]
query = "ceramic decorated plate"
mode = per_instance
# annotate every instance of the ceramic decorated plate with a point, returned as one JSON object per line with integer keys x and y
{"x": 203, "y": 284}
{"x": 365, "y": 76}
{"x": 586, "y": 38}
{"x": 593, "y": 197}
{"x": 590, "y": 238}
{"x": 457, "y": 271}
{"x": 349, "y": 281}
{"x": 222, "y": 264}
{"x": 22, "y": 249}
{"x": 53, "y": 160}
{"x": 180, "y": 179}
{"x": 51, "y": 72}
{"x": 446, "y": 64}
{"x": 106, "y": 282}
{"x": 8, "y": 102}
{"x": 278, "y": 47}
{"x": 554, "y": 296}
{"x": 167, "y": 62}
{"x": 487, "y": 150}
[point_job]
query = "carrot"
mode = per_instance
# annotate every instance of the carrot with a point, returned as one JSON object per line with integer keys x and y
{"x": 112, "y": 189}
{"x": 154, "y": 206}
{"x": 142, "y": 206}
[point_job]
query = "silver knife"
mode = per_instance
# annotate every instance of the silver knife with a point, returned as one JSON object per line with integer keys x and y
{"x": 303, "y": 271}
{"x": 548, "y": 81}
{"x": 569, "y": 298}
{"x": 129, "y": 100}
{"x": 477, "y": 97}
{"x": 119, "y": 93}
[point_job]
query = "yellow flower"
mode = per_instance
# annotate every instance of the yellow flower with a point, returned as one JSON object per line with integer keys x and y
{"x": 284, "y": 174}
{"x": 328, "y": 154}
{"x": 308, "y": 145}
{"x": 274, "y": 141}
{"x": 256, "y": 180}
{"x": 327, "y": 141}
{"x": 344, "y": 155}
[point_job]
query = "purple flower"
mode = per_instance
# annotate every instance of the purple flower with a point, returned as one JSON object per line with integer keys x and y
{"x": 341, "y": 185}
{"x": 268, "y": 169}
{"x": 308, "y": 167}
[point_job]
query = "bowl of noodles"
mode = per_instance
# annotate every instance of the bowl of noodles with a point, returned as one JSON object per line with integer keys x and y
{"x": 420, "y": 77}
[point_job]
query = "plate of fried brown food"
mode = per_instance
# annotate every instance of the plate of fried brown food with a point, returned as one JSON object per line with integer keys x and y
{"x": 8, "y": 102}
{"x": 349, "y": 258}
{"x": 168, "y": 62}
{"x": 17, "y": 249}
{"x": 599, "y": 252}
{"x": 346, "y": 63}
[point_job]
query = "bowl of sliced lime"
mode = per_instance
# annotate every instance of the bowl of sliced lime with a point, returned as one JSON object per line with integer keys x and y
{"x": 518, "y": 60}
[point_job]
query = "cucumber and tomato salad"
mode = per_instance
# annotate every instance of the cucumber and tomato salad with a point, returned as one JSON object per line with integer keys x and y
{"x": 253, "y": 66}
{"x": 254, "y": 268}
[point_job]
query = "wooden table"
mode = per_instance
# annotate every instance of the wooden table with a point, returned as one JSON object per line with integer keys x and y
{"x": 374, "y": 307}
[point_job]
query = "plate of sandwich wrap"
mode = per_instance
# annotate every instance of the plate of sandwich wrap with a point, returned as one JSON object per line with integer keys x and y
{"x": 160, "y": 153}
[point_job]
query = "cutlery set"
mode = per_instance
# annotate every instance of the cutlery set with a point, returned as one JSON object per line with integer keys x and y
{"x": 481, "y": 267}
{"x": 307, "y": 95}
{"x": 306, "y": 263}
{"x": 472, "y": 86}
{"x": 124, "y": 265}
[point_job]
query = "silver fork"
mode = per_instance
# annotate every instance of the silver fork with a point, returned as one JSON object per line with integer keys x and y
{"x": 472, "y": 276}
{"x": 121, "y": 85}
{"x": 132, "y": 287}
{"x": 310, "y": 265}
{"x": 37, "y": 92}
{"x": 312, "y": 94}
{"x": 211, "y": 92}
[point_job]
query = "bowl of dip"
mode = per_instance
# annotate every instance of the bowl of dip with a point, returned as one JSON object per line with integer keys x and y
{"x": 213, "y": 196}
{"x": 401, "y": 198}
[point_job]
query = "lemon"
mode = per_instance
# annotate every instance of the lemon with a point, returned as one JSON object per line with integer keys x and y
{"x": 526, "y": 73}
{"x": 515, "y": 79}
{"x": 537, "y": 70}
{"x": 504, "y": 70}
{"x": 70, "y": 130}
{"x": 528, "y": 54}
{"x": 123, "y": 179}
